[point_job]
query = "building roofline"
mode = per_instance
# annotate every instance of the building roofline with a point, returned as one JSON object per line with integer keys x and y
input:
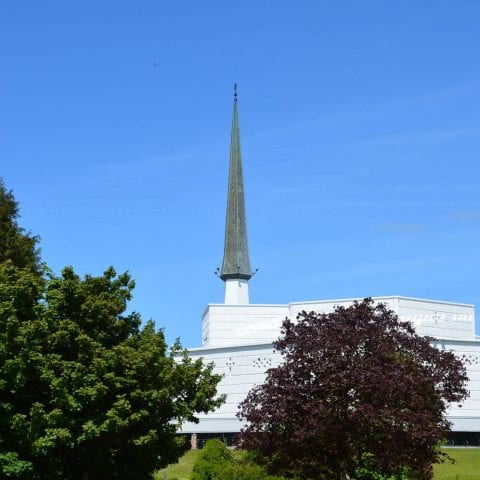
{"x": 253, "y": 346}
{"x": 352, "y": 299}
{"x": 249, "y": 346}
{"x": 388, "y": 297}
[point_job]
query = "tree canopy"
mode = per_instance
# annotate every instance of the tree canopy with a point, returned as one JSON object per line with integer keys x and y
{"x": 16, "y": 244}
{"x": 357, "y": 389}
{"x": 86, "y": 391}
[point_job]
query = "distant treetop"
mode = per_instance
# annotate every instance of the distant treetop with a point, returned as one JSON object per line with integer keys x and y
{"x": 16, "y": 244}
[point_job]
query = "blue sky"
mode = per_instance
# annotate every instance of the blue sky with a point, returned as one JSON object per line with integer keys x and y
{"x": 360, "y": 132}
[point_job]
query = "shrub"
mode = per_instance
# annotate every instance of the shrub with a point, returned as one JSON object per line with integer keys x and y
{"x": 214, "y": 457}
{"x": 365, "y": 470}
{"x": 243, "y": 471}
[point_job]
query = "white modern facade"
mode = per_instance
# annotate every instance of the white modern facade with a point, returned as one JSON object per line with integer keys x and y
{"x": 237, "y": 336}
{"x": 238, "y": 339}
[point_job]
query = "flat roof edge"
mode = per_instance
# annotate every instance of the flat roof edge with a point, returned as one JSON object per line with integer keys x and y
{"x": 389, "y": 297}
{"x": 248, "y": 305}
{"x": 229, "y": 347}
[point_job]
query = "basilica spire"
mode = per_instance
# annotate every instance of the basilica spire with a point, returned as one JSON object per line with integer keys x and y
{"x": 236, "y": 269}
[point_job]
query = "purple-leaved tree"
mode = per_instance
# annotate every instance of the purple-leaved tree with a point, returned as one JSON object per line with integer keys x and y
{"x": 357, "y": 389}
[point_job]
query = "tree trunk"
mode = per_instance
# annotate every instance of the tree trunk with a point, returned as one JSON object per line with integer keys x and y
{"x": 343, "y": 472}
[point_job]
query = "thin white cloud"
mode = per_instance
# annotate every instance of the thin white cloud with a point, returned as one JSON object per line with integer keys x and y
{"x": 430, "y": 137}
{"x": 473, "y": 216}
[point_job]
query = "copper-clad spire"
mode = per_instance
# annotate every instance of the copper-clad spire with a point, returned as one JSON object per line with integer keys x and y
{"x": 236, "y": 261}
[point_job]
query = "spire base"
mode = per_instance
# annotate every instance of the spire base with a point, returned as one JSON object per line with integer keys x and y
{"x": 235, "y": 276}
{"x": 236, "y": 292}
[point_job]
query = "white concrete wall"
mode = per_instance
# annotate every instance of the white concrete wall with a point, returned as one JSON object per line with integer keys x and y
{"x": 445, "y": 320}
{"x": 236, "y": 292}
{"x": 455, "y": 321}
{"x": 242, "y": 368}
{"x": 467, "y": 417}
{"x": 227, "y": 325}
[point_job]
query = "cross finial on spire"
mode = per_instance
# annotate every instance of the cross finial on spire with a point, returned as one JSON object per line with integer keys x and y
{"x": 235, "y": 93}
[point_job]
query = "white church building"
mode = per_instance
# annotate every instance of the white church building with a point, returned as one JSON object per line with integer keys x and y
{"x": 237, "y": 336}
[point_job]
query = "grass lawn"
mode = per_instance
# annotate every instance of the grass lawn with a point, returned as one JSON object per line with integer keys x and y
{"x": 181, "y": 470}
{"x": 466, "y": 467}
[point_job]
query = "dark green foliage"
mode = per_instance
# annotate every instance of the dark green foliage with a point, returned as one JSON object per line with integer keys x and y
{"x": 365, "y": 470}
{"x": 85, "y": 392}
{"x": 12, "y": 467}
{"x": 15, "y": 243}
{"x": 211, "y": 459}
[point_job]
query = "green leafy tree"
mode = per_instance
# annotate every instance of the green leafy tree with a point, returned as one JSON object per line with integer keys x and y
{"x": 85, "y": 392}
{"x": 16, "y": 244}
{"x": 359, "y": 395}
